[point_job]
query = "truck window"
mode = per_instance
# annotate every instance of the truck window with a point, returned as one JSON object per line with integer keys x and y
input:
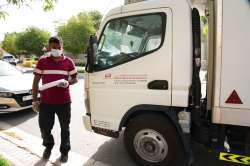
{"x": 129, "y": 38}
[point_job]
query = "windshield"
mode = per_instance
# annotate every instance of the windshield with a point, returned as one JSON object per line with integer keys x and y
{"x": 8, "y": 70}
{"x": 7, "y": 57}
{"x": 129, "y": 38}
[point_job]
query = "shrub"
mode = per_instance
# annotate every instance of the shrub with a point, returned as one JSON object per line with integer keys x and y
{"x": 4, "y": 162}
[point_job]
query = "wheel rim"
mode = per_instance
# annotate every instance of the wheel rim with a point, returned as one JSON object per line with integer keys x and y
{"x": 150, "y": 145}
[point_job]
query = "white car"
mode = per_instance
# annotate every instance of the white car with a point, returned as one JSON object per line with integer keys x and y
{"x": 15, "y": 89}
{"x": 10, "y": 59}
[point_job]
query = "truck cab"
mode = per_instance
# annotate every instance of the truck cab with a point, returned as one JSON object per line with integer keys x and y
{"x": 143, "y": 78}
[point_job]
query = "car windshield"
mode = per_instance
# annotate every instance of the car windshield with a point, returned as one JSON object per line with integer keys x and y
{"x": 8, "y": 57}
{"x": 8, "y": 70}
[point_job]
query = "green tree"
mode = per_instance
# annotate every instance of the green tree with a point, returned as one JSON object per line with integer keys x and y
{"x": 32, "y": 41}
{"x": 96, "y": 17}
{"x": 75, "y": 33}
{"x": 9, "y": 43}
{"x": 47, "y": 5}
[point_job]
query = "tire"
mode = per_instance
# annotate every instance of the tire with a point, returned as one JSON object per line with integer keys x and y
{"x": 153, "y": 134}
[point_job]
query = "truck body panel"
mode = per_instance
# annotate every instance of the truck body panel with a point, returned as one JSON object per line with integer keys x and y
{"x": 232, "y": 64}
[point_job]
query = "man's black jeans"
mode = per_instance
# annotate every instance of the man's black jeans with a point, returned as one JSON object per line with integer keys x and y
{"x": 46, "y": 122}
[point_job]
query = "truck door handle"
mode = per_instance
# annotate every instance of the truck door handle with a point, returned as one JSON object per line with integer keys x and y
{"x": 158, "y": 85}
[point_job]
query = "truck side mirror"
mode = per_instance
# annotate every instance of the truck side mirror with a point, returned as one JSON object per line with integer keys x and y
{"x": 91, "y": 53}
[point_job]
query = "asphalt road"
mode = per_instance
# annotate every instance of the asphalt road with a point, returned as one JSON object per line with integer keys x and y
{"x": 100, "y": 148}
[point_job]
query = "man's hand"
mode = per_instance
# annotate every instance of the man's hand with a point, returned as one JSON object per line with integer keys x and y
{"x": 63, "y": 84}
{"x": 73, "y": 81}
{"x": 36, "y": 106}
{"x": 35, "y": 87}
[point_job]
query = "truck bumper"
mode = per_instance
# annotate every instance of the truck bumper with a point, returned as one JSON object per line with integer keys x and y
{"x": 87, "y": 122}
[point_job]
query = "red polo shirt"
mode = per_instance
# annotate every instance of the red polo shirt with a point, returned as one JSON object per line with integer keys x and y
{"x": 51, "y": 70}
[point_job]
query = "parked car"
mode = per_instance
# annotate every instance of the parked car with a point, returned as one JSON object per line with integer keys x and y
{"x": 15, "y": 89}
{"x": 10, "y": 58}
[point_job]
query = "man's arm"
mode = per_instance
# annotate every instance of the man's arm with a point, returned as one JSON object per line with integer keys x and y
{"x": 73, "y": 80}
{"x": 73, "y": 73}
{"x": 35, "y": 87}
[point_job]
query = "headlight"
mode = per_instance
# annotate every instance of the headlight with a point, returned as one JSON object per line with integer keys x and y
{"x": 6, "y": 94}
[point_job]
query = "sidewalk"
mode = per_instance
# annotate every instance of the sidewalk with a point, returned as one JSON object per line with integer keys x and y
{"x": 23, "y": 149}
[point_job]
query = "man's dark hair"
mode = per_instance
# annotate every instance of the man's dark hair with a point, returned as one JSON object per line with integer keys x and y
{"x": 55, "y": 39}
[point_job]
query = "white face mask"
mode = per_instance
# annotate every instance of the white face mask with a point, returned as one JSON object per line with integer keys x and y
{"x": 56, "y": 52}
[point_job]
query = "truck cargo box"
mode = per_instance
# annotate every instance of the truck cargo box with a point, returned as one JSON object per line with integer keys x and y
{"x": 232, "y": 63}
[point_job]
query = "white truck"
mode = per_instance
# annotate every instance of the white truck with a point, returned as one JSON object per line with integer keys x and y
{"x": 143, "y": 77}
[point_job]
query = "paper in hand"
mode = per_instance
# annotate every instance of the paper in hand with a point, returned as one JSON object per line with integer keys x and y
{"x": 51, "y": 84}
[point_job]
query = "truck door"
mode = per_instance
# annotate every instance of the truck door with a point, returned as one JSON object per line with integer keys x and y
{"x": 132, "y": 66}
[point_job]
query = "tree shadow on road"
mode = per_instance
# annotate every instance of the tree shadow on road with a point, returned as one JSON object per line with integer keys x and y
{"x": 112, "y": 153}
{"x": 15, "y": 118}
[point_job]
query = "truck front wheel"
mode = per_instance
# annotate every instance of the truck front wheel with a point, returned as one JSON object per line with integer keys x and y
{"x": 152, "y": 140}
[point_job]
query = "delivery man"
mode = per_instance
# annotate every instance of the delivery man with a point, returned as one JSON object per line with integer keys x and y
{"x": 56, "y": 100}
